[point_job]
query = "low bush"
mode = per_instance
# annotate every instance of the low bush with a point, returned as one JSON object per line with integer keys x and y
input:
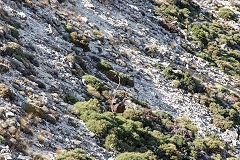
{"x": 227, "y": 14}
{"x": 2, "y": 140}
{"x": 91, "y": 105}
{"x": 183, "y": 80}
{"x": 14, "y": 31}
{"x": 80, "y": 41}
{"x": 69, "y": 28}
{"x": 76, "y": 154}
{"x": 113, "y": 75}
{"x": 104, "y": 66}
{"x": 94, "y": 82}
{"x": 132, "y": 131}
{"x": 136, "y": 156}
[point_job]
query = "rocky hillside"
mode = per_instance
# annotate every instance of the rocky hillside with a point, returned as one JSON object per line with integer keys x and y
{"x": 89, "y": 79}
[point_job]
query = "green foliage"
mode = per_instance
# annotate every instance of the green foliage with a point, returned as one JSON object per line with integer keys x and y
{"x": 99, "y": 127}
{"x": 94, "y": 82}
{"x": 70, "y": 98}
{"x": 141, "y": 103}
{"x": 168, "y": 73}
{"x": 76, "y": 154}
{"x": 132, "y": 131}
{"x": 91, "y": 105}
{"x": 200, "y": 34}
{"x": 69, "y": 28}
{"x": 182, "y": 11}
{"x": 214, "y": 146}
{"x": 227, "y": 14}
{"x": 116, "y": 76}
{"x": 98, "y": 34}
{"x": 80, "y": 41}
{"x": 135, "y": 115}
{"x": 104, "y": 66}
{"x": 15, "y": 50}
{"x": 113, "y": 75}
{"x": 200, "y": 144}
{"x": 179, "y": 141}
{"x": 2, "y": 140}
{"x": 184, "y": 81}
{"x": 168, "y": 151}
{"x": 135, "y": 156}
{"x": 14, "y": 31}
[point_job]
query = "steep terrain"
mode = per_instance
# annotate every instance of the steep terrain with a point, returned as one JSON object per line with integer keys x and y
{"x": 47, "y": 46}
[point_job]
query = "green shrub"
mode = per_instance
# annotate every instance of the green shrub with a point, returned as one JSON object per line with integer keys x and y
{"x": 14, "y": 50}
{"x": 132, "y": 131}
{"x": 168, "y": 73}
{"x": 177, "y": 84}
{"x": 214, "y": 146}
{"x": 14, "y": 31}
{"x": 76, "y": 154}
{"x": 80, "y": 41}
{"x": 113, "y": 75}
{"x": 179, "y": 141}
{"x": 98, "y": 34}
{"x": 141, "y": 103}
{"x": 135, "y": 156}
{"x": 99, "y": 127}
{"x": 124, "y": 78}
{"x": 227, "y": 14}
{"x": 69, "y": 28}
{"x": 94, "y": 82}
{"x": 92, "y": 105}
{"x": 2, "y": 140}
{"x": 184, "y": 81}
{"x": 135, "y": 115}
{"x": 104, "y": 66}
{"x": 112, "y": 142}
{"x": 200, "y": 144}
{"x": 70, "y": 98}
{"x": 168, "y": 151}
{"x": 222, "y": 122}
{"x": 199, "y": 34}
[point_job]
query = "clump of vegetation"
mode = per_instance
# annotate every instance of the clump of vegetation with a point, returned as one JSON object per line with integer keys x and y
{"x": 136, "y": 156}
{"x": 69, "y": 28}
{"x": 5, "y": 91}
{"x": 159, "y": 136}
{"x": 183, "y": 80}
{"x": 94, "y": 82}
{"x": 113, "y": 75}
{"x": 14, "y": 50}
{"x": 141, "y": 103}
{"x": 2, "y": 140}
{"x": 14, "y": 31}
{"x": 76, "y": 154}
{"x": 182, "y": 11}
{"x": 104, "y": 66}
{"x": 227, "y": 14}
{"x": 70, "y": 98}
{"x": 98, "y": 34}
{"x": 224, "y": 116}
{"x": 80, "y": 41}
{"x": 81, "y": 63}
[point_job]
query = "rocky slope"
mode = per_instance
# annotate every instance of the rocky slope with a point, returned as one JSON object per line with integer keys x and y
{"x": 34, "y": 116}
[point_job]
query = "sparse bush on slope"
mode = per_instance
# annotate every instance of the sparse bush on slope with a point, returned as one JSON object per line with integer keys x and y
{"x": 134, "y": 131}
